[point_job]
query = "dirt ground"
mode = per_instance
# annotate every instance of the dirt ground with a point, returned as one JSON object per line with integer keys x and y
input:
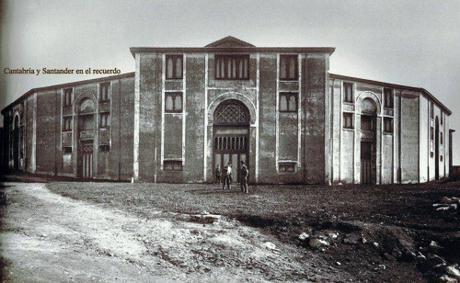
{"x": 163, "y": 232}
{"x": 47, "y": 237}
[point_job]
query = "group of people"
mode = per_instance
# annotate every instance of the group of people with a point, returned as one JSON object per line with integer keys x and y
{"x": 224, "y": 176}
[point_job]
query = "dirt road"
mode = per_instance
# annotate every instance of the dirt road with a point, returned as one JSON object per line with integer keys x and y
{"x": 50, "y": 238}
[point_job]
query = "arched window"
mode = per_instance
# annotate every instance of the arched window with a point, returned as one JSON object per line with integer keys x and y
{"x": 231, "y": 112}
{"x": 87, "y": 106}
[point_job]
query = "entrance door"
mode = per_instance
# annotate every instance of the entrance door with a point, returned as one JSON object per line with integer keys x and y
{"x": 367, "y": 163}
{"x": 231, "y": 146}
{"x": 231, "y": 136}
{"x": 86, "y": 160}
{"x": 16, "y": 143}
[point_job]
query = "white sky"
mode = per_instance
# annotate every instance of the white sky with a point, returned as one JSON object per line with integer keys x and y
{"x": 413, "y": 42}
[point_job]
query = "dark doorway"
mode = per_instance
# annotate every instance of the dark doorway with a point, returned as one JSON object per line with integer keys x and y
{"x": 368, "y": 142}
{"x": 16, "y": 142}
{"x": 368, "y": 162}
{"x": 436, "y": 149}
{"x": 231, "y": 136}
{"x": 86, "y": 160}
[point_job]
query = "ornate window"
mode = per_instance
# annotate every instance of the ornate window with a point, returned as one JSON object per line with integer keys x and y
{"x": 288, "y": 101}
{"x": 173, "y": 102}
{"x": 289, "y": 67}
{"x": 174, "y": 66}
{"x": 232, "y": 67}
{"x": 388, "y": 97}
{"x": 67, "y": 124}
{"x": 104, "y": 120}
{"x": 104, "y": 92}
{"x": 348, "y": 92}
{"x": 348, "y": 120}
{"x": 87, "y": 106}
{"x": 388, "y": 125}
{"x": 68, "y": 97}
{"x": 232, "y": 112}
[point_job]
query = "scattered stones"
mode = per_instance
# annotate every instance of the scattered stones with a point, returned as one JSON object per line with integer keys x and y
{"x": 304, "y": 236}
{"x": 453, "y": 270}
{"x": 317, "y": 243}
{"x": 447, "y": 279}
{"x": 270, "y": 246}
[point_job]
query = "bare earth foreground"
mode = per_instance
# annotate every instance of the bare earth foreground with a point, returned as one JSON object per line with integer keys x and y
{"x": 107, "y": 232}
{"x": 51, "y": 238}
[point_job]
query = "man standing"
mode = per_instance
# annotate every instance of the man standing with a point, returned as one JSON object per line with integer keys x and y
{"x": 244, "y": 178}
{"x": 227, "y": 177}
{"x": 218, "y": 174}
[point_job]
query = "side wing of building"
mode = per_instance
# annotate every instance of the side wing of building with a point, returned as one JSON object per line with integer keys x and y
{"x": 81, "y": 129}
{"x": 385, "y": 133}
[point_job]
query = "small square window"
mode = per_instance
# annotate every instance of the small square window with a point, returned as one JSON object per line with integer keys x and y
{"x": 173, "y": 102}
{"x": 104, "y": 148}
{"x": 67, "y": 149}
{"x": 288, "y": 101}
{"x": 67, "y": 124}
{"x": 348, "y": 92}
{"x": 387, "y": 125}
{"x": 388, "y": 97}
{"x": 289, "y": 67}
{"x": 348, "y": 120}
{"x": 104, "y": 92}
{"x": 440, "y": 158}
{"x": 172, "y": 165}
{"x": 431, "y": 154}
{"x": 432, "y": 133}
{"x": 174, "y": 66}
{"x": 286, "y": 167}
{"x": 104, "y": 120}
{"x": 68, "y": 97}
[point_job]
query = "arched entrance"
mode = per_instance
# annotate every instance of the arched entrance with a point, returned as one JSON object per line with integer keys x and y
{"x": 16, "y": 141}
{"x": 231, "y": 135}
{"x": 86, "y": 130}
{"x": 436, "y": 149}
{"x": 368, "y": 141}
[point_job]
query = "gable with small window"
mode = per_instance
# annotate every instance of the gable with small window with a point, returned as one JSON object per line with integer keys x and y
{"x": 232, "y": 67}
{"x": 289, "y": 67}
{"x": 174, "y": 67}
{"x": 348, "y": 92}
{"x": 173, "y": 102}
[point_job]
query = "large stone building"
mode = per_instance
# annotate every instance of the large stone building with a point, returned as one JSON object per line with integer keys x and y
{"x": 185, "y": 111}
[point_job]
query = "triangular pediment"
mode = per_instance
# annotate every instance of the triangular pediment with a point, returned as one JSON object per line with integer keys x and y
{"x": 229, "y": 41}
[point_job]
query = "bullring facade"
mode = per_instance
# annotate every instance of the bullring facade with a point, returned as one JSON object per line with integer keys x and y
{"x": 186, "y": 110}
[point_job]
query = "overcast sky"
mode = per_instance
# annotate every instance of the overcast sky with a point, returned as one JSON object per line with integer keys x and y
{"x": 412, "y": 42}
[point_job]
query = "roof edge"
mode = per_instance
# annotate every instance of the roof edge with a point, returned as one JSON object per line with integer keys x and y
{"x": 328, "y": 50}
{"x": 393, "y": 85}
{"x": 63, "y": 85}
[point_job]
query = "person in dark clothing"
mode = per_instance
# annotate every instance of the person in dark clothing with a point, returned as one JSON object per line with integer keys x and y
{"x": 244, "y": 178}
{"x": 218, "y": 174}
